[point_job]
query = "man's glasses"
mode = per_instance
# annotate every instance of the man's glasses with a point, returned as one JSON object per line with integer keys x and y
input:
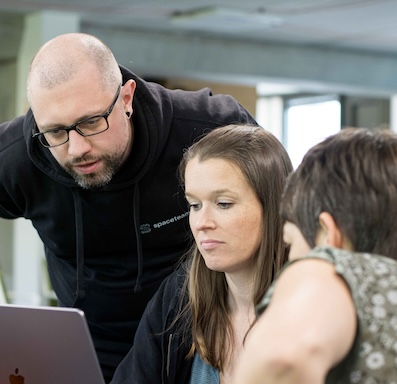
{"x": 87, "y": 127}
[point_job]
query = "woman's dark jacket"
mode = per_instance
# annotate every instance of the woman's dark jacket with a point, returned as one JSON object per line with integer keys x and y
{"x": 161, "y": 344}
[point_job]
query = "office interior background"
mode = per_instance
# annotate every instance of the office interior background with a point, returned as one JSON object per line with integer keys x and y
{"x": 304, "y": 68}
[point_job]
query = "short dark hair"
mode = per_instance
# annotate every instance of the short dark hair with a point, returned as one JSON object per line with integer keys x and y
{"x": 353, "y": 176}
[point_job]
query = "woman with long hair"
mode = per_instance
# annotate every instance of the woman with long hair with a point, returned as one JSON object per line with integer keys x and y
{"x": 194, "y": 327}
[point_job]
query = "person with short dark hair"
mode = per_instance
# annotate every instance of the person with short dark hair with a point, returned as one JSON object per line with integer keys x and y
{"x": 331, "y": 315}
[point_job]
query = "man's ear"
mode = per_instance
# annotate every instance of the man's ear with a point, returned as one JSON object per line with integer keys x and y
{"x": 330, "y": 233}
{"x": 128, "y": 93}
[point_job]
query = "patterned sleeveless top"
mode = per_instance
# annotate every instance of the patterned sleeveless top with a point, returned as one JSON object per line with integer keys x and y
{"x": 372, "y": 280}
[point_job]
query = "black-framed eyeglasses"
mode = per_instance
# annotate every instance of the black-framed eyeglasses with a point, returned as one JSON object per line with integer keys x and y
{"x": 89, "y": 126}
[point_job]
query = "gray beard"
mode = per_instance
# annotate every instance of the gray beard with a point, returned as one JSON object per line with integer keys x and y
{"x": 98, "y": 179}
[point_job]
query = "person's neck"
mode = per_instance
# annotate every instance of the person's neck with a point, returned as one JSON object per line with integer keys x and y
{"x": 241, "y": 316}
{"x": 240, "y": 293}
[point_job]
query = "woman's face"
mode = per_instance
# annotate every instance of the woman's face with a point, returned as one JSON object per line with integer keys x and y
{"x": 226, "y": 216}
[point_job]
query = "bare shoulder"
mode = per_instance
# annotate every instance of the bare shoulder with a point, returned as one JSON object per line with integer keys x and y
{"x": 312, "y": 284}
{"x": 312, "y": 305}
{"x": 306, "y": 272}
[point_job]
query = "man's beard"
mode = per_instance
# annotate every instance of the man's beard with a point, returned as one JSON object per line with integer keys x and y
{"x": 112, "y": 164}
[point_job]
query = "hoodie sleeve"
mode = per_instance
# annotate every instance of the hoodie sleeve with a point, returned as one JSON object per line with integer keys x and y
{"x": 146, "y": 361}
{"x": 14, "y": 164}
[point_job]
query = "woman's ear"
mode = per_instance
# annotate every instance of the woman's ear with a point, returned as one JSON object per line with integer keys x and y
{"x": 330, "y": 233}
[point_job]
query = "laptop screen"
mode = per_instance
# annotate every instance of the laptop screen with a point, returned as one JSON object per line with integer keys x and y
{"x": 48, "y": 345}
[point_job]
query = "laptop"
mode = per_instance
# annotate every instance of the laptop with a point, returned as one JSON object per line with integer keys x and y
{"x": 46, "y": 345}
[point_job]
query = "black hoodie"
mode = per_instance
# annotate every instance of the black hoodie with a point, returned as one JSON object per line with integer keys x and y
{"x": 109, "y": 248}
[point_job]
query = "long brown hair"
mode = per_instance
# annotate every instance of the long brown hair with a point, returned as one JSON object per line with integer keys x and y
{"x": 265, "y": 164}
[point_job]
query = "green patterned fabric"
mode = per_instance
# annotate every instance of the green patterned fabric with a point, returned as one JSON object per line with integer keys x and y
{"x": 372, "y": 280}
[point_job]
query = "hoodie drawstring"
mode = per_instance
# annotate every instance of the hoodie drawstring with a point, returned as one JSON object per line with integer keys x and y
{"x": 137, "y": 225}
{"x": 80, "y": 290}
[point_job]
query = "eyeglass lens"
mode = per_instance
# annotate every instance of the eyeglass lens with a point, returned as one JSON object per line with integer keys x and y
{"x": 88, "y": 127}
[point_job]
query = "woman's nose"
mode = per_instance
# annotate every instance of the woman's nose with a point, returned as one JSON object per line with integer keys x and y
{"x": 203, "y": 219}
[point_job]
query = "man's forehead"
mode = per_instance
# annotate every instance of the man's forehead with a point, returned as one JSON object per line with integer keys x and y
{"x": 67, "y": 104}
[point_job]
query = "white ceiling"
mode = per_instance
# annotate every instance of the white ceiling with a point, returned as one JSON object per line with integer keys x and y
{"x": 365, "y": 28}
{"x": 354, "y": 24}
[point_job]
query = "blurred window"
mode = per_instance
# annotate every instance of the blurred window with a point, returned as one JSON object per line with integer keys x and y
{"x": 307, "y": 121}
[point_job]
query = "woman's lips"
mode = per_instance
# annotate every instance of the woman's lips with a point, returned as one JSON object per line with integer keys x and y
{"x": 210, "y": 244}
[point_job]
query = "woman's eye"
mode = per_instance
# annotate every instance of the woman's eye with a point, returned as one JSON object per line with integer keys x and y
{"x": 194, "y": 206}
{"x": 224, "y": 205}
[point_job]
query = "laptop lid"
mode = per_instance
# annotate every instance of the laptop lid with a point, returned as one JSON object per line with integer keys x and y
{"x": 46, "y": 345}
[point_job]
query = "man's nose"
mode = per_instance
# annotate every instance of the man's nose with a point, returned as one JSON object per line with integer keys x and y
{"x": 78, "y": 145}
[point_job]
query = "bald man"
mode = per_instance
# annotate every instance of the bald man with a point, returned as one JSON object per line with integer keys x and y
{"x": 93, "y": 165}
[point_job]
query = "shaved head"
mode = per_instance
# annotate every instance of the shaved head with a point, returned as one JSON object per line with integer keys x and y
{"x": 63, "y": 58}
